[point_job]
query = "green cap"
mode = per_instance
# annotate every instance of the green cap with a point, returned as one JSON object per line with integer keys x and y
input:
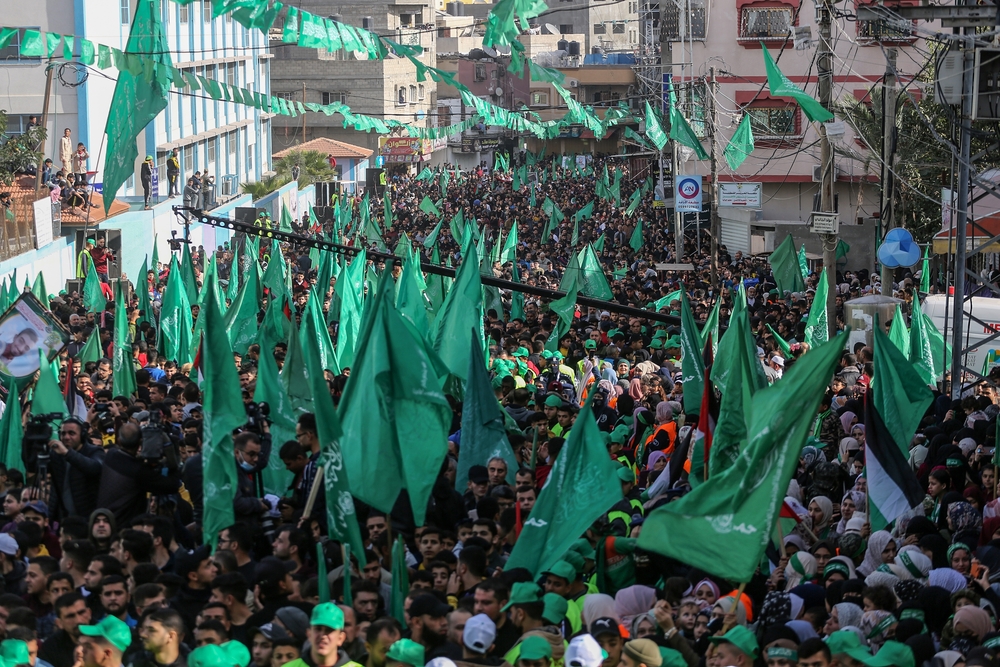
{"x": 237, "y": 652}
{"x": 582, "y": 547}
{"x": 576, "y": 560}
{"x": 626, "y": 475}
{"x": 546, "y": 354}
{"x": 673, "y": 341}
{"x": 328, "y": 615}
{"x": 741, "y": 638}
{"x": 15, "y": 652}
{"x": 149, "y": 158}
{"x": 892, "y": 654}
{"x": 557, "y": 355}
{"x": 662, "y": 333}
{"x": 535, "y": 648}
{"x": 656, "y": 344}
{"x": 112, "y": 631}
{"x": 208, "y": 655}
{"x": 671, "y": 658}
{"x": 590, "y": 344}
{"x": 619, "y": 434}
{"x": 521, "y": 352}
{"x": 553, "y": 401}
{"x": 562, "y": 569}
{"x": 613, "y": 332}
{"x": 845, "y": 641}
{"x": 91, "y": 242}
{"x": 523, "y": 592}
{"x": 407, "y": 652}
{"x": 555, "y": 608}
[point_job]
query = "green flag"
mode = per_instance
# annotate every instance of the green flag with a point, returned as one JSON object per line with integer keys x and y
{"x": 584, "y": 213}
{"x": 323, "y": 582}
{"x": 142, "y": 291}
{"x": 268, "y": 389}
{"x": 654, "y": 131}
{"x": 928, "y": 352}
{"x": 575, "y": 238}
{"x": 782, "y": 86}
{"x": 294, "y": 374}
{"x": 393, "y": 412}
{"x": 47, "y": 396}
{"x": 224, "y": 412}
{"x": 682, "y": 133}
{"x": 91, "y": 350}
{"x": 433, "y": 236}
{"x": 400, "y": 581}
{"x": 517, "y": 298}
{"x": 599, "y": 243}
{"x": 739, "y": 376}
{"x": 341, "y": 517}
{"x": 483, "y": 434}
{"x": 564, "y": 309}
{"x": 462, "y": 310}
{"x": 664, "y": 302}
{"x": 411, "y": 303}
{"x": 428, "y": 207}
{"x": 123, "y": 378}
{"x": 898, "y": 333}
{"x": 785, "y": 267}
{"x": 187, "y": 275}
{"x": 582, "y": 486}
{"x": 349, "y": 288}
{"x": 727, "y": 522}
{"x": 925, "y": 272}
{"x": 711, "y": 327}
{"x": 783, "y": 345}
{"x": 635, "y": 241}
{"x": 11, "y": 430}
{"x": 550, "y": 207}
{"x": 817, "y": 326}
{"x": 241, "y": 318}
{"x": 387, "y": 209}
{"x": 138, "y": 98}
{"x": 692, "y": 361}
{"x": 803, "y": 263}
{"x": 285, "y": 221}
{"x": 175, "y": 318}
{"x": 842, "y": 249}
{"x": 740, "y": 145}
{"x": 39, "y": 290}
{"x": 633, "y": 202}
{"x": 314, "y": 313}
{"x": 457, "y": 225}
{"x": 93, "y": 296}
{"x": 509, "y": 251}
{"x": 592, "y": 281}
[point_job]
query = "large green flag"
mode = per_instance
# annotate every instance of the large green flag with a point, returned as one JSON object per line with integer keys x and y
{"x": 785, "y": 267}
{"x": 599, "y": 243}
{"x": 93, "y": 296}
{"x": 142, "y": 291}
{"x": 411, "y": 303}
{"x": 635, "y": 241}
{"x": 400, "y": 581}
{"x": 314, "y": 313}
{"x": 783, "y": 344}
{"x": 925, "y": 272}
{"x": 517, "y": 297}
{"x": 711, "y": 328}
{"x": 349, "y": 288}
{"x": 433, "y": 236}
{"x": 224, "y": 412}
{"x": 428, "y": 207}
{"x": 550, "y": 207}
{"x": 91, "y": 350}
{"x": 462, "y": 310}
{"x": 817, "y": 326}
{"x": 123, "y": 378}
{"x": 726, "y": 523}
{"x": 285, "y": 221}
{"x": 654, "y": 131}
{"x": 393, "y": 412}
{"x": 175, "y": 318}
{"x": 11, "y": 430}
{"x": 509, "y": 251}
{"x": 665, "y": 301}
{"x": 898, "y": 333}
{"x": 592, "y": 281}
{"x": 139, "y": 96}
{"x": 584, "y": 213}
{"x": 633, "y": 202}
{"x": 241, "y": 318}
{"x": 582, "y": 485}
{"x": 929, "y": 353}
{"x": 187, "y": 275}
{"x": 803, "y": 263}
{"x": 682, "y": 133}
{"x": 283, "y": 417}
{"x": 782, "y": 86}
{"x": 39, "y": 290}
{"x": 483, "y": 434}
{"x": 738, "y": 374}
{"x": 692, "y": 362}
{"x": 47, "y": 397}
{"x": 294, "y": 374}
{"x": 457, "y": 226}
{"x": 564, "y": 309}
{"x": 740, "y": 145}
{"x": 341, "y": 518}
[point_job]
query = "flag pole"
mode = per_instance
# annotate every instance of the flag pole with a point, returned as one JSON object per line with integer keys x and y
{"x": 534, "y": 451}
{"x": 313, "y": 492}
{"x": 781, "y": 540}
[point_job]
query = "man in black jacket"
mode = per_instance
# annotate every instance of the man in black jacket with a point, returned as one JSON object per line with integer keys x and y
{"x": 252, "y": 453}
{"x": 126, "y": 480}
{"x": 75, "y": 467}
{"x": 198, "y": 571}
{"x": 71, "y": 612}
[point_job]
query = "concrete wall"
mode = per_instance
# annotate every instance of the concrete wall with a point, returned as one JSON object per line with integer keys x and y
{"x": 56, "y": 262}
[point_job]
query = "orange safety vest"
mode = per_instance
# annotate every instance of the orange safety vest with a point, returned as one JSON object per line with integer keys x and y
{"x": 671, "y": 430}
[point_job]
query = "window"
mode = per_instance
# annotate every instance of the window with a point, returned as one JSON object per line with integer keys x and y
{"x": 249, "y": 161}
{"x": 12, "y": 52}
{"x": 285, "y": 96}
{"x": 161, "y": 167}
{"x": 420, "y": 91}
{"x": 211, "y": 151}
{"x": 680, "y": 24}
{"x": 773, "y": 122}
{"x": 231, "y": 74}
{"x": 183, "y": 14}
{"x": 886, "y": 30}
{"x": 539, "y": 99}
{"x": 480, "y": 72}
{"x": 600, "y": 29}
{"x": 206, "y": 10}
{"x": 566, "y": 28}
{"x": 18, "y": 124}
{"x": 606, "y": 97}
{"x": 334, "y": 98}
{"x": 401, "y": 95}
{"x": 233, "y": 136}
{"x": 413, "y": 94}
{"x": 188, "y": 154}
{"x": 765, "y": 23}
{"x": 618, "y": 28}
{"x": 124, "y": 12}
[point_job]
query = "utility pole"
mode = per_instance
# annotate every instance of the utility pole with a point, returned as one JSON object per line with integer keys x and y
{"x": 45, "y": 122}
{"x": 888, "y": 212}
{"x": 824, "y": 66}
{"x": 715, "y": 225}
{"x": 303, "y": 115}
{"x": 962, "y": 214}
{"x": 666, "y": 73}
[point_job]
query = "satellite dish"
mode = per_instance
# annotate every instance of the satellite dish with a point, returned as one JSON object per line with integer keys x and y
{"x": 491, "y": 52}
{"x": 477, "y": 54}
{"x": 360, "y": 55}
{"x": 498, "y": 92}
{"x": 503, "y": 50}
{"x": 553, "y": 30}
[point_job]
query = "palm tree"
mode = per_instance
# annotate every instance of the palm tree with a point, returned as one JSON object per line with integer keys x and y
{"x": 313, "y": 167}
{"x": 262, "y": 188}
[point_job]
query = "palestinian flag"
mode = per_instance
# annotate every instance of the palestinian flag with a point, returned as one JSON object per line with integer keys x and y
{"x": 708, "y": 416}
{"x": 199, "y": 364}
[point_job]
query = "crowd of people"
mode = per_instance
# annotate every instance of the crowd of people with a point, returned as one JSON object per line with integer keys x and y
{"x": 105, "y": 561}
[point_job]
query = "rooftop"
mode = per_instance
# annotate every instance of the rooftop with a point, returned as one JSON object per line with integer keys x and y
{"x": 329, "y": 147}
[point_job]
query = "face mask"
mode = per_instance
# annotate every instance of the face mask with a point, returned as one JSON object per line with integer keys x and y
{"x": 244, "y": 466}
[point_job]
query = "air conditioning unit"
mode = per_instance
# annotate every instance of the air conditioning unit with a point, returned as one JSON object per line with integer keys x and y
{"x": 817, "y": 174}
{"x": 229, "y": 185}
{"x": 573, "y": 83}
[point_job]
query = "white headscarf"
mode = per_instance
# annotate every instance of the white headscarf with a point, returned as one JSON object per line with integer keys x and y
{"x": 877, "y": 543}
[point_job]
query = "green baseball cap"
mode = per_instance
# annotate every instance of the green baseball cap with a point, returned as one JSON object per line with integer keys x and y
{"x": 239, "y": 655}
{"x": 661, "y": 333}
{"x": 328, "y": 615}
{"x": 523, "y": 592}
{"x": 208, "y": 655}
{"x": 673, "y": 341}
{"x": 671, "y": 658}
{"x": 535, "y": 648}
{"x": 576, "y": 560}
{"x": 557, "y": 355}
{"x": 555, "y": 608}
{"x": 553, "y": 401}
{"x": 892, "y": 654}
{"x": 590, "y": 344}
{"x": 582, "y": 547}
{"x": 845, "y": 641}
{"x": 656, "y": 344}
{"x": 742, "y": 639}
{"x": 15, "y": 652}
{"x": 546, "y": 354}
{"x": 619, "y": 434}
{"x": 626, "y": 475}
{"x": 563, "y": 570}
{"x": 407, "y": 652}
{"x": 111, "y": 630}
{"x": 521, "y": 352}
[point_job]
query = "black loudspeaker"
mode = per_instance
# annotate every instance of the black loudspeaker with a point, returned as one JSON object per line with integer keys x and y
{"x": 326, "y": 191}
{"x": 323, "y": 213}
{"x": 245, "y": 214}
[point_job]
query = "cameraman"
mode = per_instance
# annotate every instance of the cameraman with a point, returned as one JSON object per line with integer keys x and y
{"x": 75, "y": 467}
{"x": 252, "y": 453}
{"x": 127, "y": 479}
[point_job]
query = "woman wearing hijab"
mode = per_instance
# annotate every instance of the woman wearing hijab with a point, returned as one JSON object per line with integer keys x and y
{"x": 821, "y": 511}
{"x": 848, "y": 448}
{"x": 960, "y": 558}
{"x": 842, "y": 615}
{"x": 707, "y": 592}
{"x": 598, "y": 605}
{"x": 664, "y": 435}
{"x": 853, "y": 501}
{"x": 964, "y": 523}
{"x": 881, "y": 549}
{"x": 990, "y": 531}
{"x": 875, "y": 625}
{"x": 656, "y": 462}
{"x": 972, "y": 622}
{"x": 847, "y": 420}
{"x": 727, "y": 605}
{"x": 801, "y": 568}
{"x": 858, "y": 433}
{"x": 633, "y": 602}
{"x": 938, "y": 484}
{"x": 948, "y": 579}
{"x": 935, "y": 547}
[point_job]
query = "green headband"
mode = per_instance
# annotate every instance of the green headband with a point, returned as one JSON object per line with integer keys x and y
{"x": 834, "y": 567}
{"x": 882, "y": 626}
{"x": 954, "y": 463}
{"x": 797, "y": 566}
{"x": 789, "y": 654}
{"x": 912, "y": 613}
{"x": 955, "y": 547}
{"x": 910, "y": 567}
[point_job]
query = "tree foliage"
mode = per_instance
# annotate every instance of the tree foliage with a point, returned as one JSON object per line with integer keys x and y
{"x": 18, "y": 153}
{"x": 263, "y": 187}
{"x": 313, "y": 167}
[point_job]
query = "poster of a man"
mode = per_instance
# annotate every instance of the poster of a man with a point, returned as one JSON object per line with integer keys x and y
{"x": 25, "y": 329}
